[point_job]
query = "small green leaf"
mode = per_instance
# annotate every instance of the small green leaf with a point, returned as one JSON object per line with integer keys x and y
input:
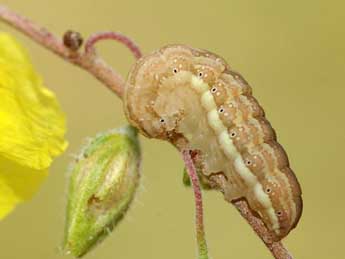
{"x": 185, "y": 178}
{"x": 205, "y": 185}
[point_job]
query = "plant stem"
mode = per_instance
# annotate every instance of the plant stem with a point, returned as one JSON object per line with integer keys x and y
{"x": 199, "y": 215}
{"x": 93, "y": 64}
{"x": 110, "y": 35}
{"x": 276, "y": 248}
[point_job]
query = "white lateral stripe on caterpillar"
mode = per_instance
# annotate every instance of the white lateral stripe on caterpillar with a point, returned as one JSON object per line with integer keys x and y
{"x": 207, "y": 100}
{"x": 270, "y": 150}
{"x": 285, "y": 179}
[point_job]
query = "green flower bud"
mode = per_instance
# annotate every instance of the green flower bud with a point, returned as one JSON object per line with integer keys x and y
{"x": 102, "y": 185}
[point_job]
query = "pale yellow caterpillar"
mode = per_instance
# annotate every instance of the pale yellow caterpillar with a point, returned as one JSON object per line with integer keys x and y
{"x": 193, "y": 99}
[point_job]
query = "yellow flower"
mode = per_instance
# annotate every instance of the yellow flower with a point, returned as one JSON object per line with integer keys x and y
{"x": 32, "y": 126}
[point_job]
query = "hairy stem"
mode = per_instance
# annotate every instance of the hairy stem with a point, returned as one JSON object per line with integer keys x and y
{"x": 110, "y": 35}
{"x": 276, "y": 248}
{"x": 199, "y": 215}
{"x": 91, "y": 63}
{"x": 96, "y": 66}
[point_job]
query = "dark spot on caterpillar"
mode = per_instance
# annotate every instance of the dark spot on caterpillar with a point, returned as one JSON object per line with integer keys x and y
{"x": 268, "y": 190}
{"x": 161, "y": 120}
{"x": 214, "y": 89}
{"x": 233, "y": 134}
{"x": 175, "y": 70}
{"x": 279, "y": 213}
{"x": 200, "y": 74}
{"x": 221, "y": 110}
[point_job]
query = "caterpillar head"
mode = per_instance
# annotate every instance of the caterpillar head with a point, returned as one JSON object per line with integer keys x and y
{"x": 158, "y": 86}
{"x": 146, "y": 92}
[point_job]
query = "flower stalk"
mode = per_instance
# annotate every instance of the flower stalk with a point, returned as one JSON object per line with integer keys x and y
{"x": 91, "y": 63}
{"x": 199, "y": 215}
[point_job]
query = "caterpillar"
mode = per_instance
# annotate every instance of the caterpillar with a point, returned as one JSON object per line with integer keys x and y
{"x": 193, "y": 99}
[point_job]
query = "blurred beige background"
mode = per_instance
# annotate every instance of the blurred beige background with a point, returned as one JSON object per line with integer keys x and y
{"x": 293, "y": 55}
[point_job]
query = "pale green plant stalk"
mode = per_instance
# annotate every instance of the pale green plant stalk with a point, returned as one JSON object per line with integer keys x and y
{"x": 199, "y": 217}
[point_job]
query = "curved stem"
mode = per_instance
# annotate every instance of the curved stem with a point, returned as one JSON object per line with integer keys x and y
{"x": 199, "y": 218}
{"x": 110, "y": 35}
{"x": 94, "y": 65}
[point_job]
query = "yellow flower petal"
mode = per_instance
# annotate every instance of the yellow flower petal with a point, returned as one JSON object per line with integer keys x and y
{"x": 32, "y": 126}
{"x": 8, "y": 199}
{"x": 17, "y": 184}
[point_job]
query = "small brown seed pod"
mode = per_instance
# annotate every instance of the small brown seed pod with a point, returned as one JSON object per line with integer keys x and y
{"x": 72, "y": 40}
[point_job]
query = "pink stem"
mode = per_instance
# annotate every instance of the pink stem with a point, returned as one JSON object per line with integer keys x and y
{"x": 276, "y": 248}
{"x": 93, "y": 64}
{"x": 202, "y": 245}
{"x": 33, "y": 31}
{"x": 129, "y": 43}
